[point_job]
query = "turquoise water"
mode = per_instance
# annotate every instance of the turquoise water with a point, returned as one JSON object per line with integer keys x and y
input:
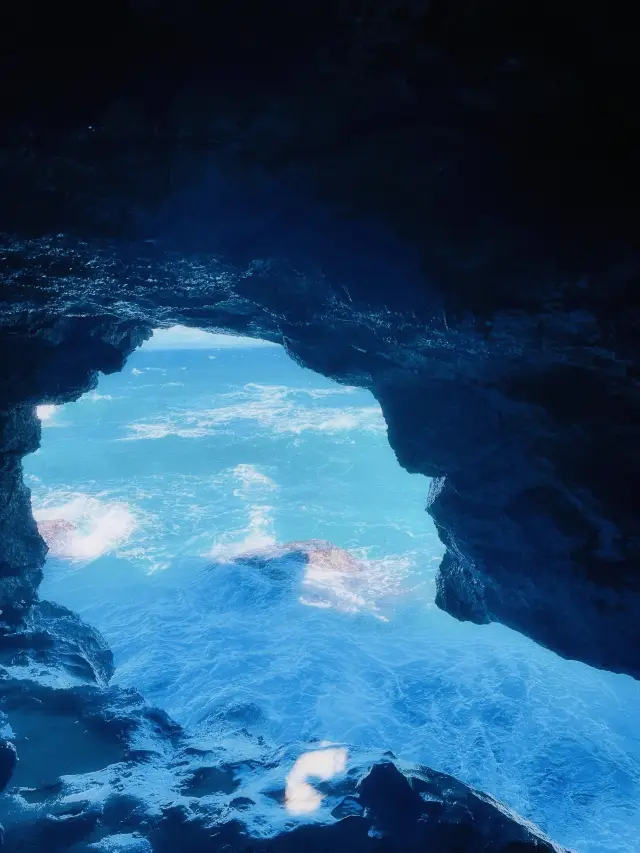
{"x": 175, "y": 470}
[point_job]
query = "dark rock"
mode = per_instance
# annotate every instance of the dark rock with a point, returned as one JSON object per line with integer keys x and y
{"x": 81, "y": 740}
{"x": 53, "y": 637}
{"x": 348, "y": 807}
{"x": 210, "y": 780}
{"x": 58, "y": 833}
{"x": 433, "y": 200}
{"x": 433, "y": 811}
{"x": 387, "y": 794}
{"x": 241, "y": 803}
{"x": 8, "y": 761}
{"x": 23, "y": 551}
{"x": 125, "y": 813}
{"x": 397, "y": 196}
{"x": 62, "y": 732}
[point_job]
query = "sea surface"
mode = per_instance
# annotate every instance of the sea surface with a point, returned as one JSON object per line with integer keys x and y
{"x": 176, "y": 469}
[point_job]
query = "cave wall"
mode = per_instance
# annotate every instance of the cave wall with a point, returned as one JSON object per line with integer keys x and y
{"x": 434, "y": 200}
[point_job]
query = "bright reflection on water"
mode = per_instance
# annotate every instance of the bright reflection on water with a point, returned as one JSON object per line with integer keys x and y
{"x": 300, "y": 796}
{"x": 169, "y": 495}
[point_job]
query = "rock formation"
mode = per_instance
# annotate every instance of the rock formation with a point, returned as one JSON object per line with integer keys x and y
{"x": 94, "y": 768}
{"x": 433, "y": 199}
{"x": 56, "y": 533}
{"x": 326, "y": 556}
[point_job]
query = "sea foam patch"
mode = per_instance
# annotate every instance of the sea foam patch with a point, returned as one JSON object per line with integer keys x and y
{"x": 46, "y": 413}
{"x": 277, "y": 408}
{"x": 258, "y": 534}
{"x": 81, "y": 527}
{"x": 345, "y": 648}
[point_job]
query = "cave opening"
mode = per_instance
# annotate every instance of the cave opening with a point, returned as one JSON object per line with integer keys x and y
{"x": 239, "y": 530}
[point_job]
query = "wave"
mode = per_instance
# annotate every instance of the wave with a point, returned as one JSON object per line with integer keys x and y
{"x": 45, "y": 413}
{"x": 274, "y": 407}
{"x": 82, "y": 527}
{"x": 250, "y": 477}
{"x": 256, "y": 538}
{"x": 162, "y": 429}
{"x": 351, "y": 582}
{"x": 319, "y": 393}
{"x": 95, "y": 397}
{"x": 258, "y": 535}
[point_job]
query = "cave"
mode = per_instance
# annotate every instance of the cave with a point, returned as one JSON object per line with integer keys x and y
{"x": 434, "y": 201}
{"x": 172, "y": 534}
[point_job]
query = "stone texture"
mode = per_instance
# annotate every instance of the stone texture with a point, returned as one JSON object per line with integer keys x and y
{"x": 89, "y": 767}
{"x": 435, "y": 200}
{"x": 56, "y": 640}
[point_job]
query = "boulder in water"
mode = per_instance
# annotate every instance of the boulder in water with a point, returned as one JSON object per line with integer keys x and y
{"x": 325, "y": 555}
{"x": 56, "y": 533}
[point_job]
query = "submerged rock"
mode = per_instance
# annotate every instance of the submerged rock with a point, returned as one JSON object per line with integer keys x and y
{"x": 100, "y": 769}
{"x": 56, "y": 533}
{"x": 326, "y": 556}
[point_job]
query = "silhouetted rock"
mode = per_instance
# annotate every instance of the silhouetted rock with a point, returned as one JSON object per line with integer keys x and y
{"x": 56, "y": 533}
{"x": 56, "y": 637}
{"x": 433, "y": 811}
{"x": 100, "y": 764}
{"x": 8, "y": 761}
{"x": 433, "y": 200}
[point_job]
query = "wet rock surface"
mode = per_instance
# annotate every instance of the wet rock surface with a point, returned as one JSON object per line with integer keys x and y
{"x": 54, "y": 643}
{"x": 8, "y": 761}
{"x": 436, "y": 201}
{"x": 90, "y": 767}
{"x": 106, "y": 751}
{"x": 432, "y": 200}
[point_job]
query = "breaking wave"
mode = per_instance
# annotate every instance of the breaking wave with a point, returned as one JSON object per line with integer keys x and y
{"x": 296, "y": 600}
{"x": 277, "y": 408}
{"x": 83, "y": 528}
{"x": 46, "y": 413}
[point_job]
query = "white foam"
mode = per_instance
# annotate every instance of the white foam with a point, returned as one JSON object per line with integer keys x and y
{"x": 161, "y": 429}
{"x": 318, "y": 393}
{"x": 100, "y": 526}
{"x": 250, "y": 476}
{"x": 256, "y": 538}
{"x": 351, "y": 582}
{"x": 95, "y": 397}
{"x": 324, "y": 764}
{"x": 139, "y": 371}
{"x": 46, "y": 412}
{"x": 273, "y": 407}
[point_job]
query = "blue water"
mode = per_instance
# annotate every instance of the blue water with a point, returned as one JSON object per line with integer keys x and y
{"x": 189, "y": 459}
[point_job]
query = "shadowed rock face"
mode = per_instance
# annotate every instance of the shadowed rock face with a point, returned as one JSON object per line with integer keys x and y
{"x": 435, "y": 200}
{"x": 89, "y": 767}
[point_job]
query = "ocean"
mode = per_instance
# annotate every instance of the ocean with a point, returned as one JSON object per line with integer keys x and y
{"x": 181, "y": 479}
